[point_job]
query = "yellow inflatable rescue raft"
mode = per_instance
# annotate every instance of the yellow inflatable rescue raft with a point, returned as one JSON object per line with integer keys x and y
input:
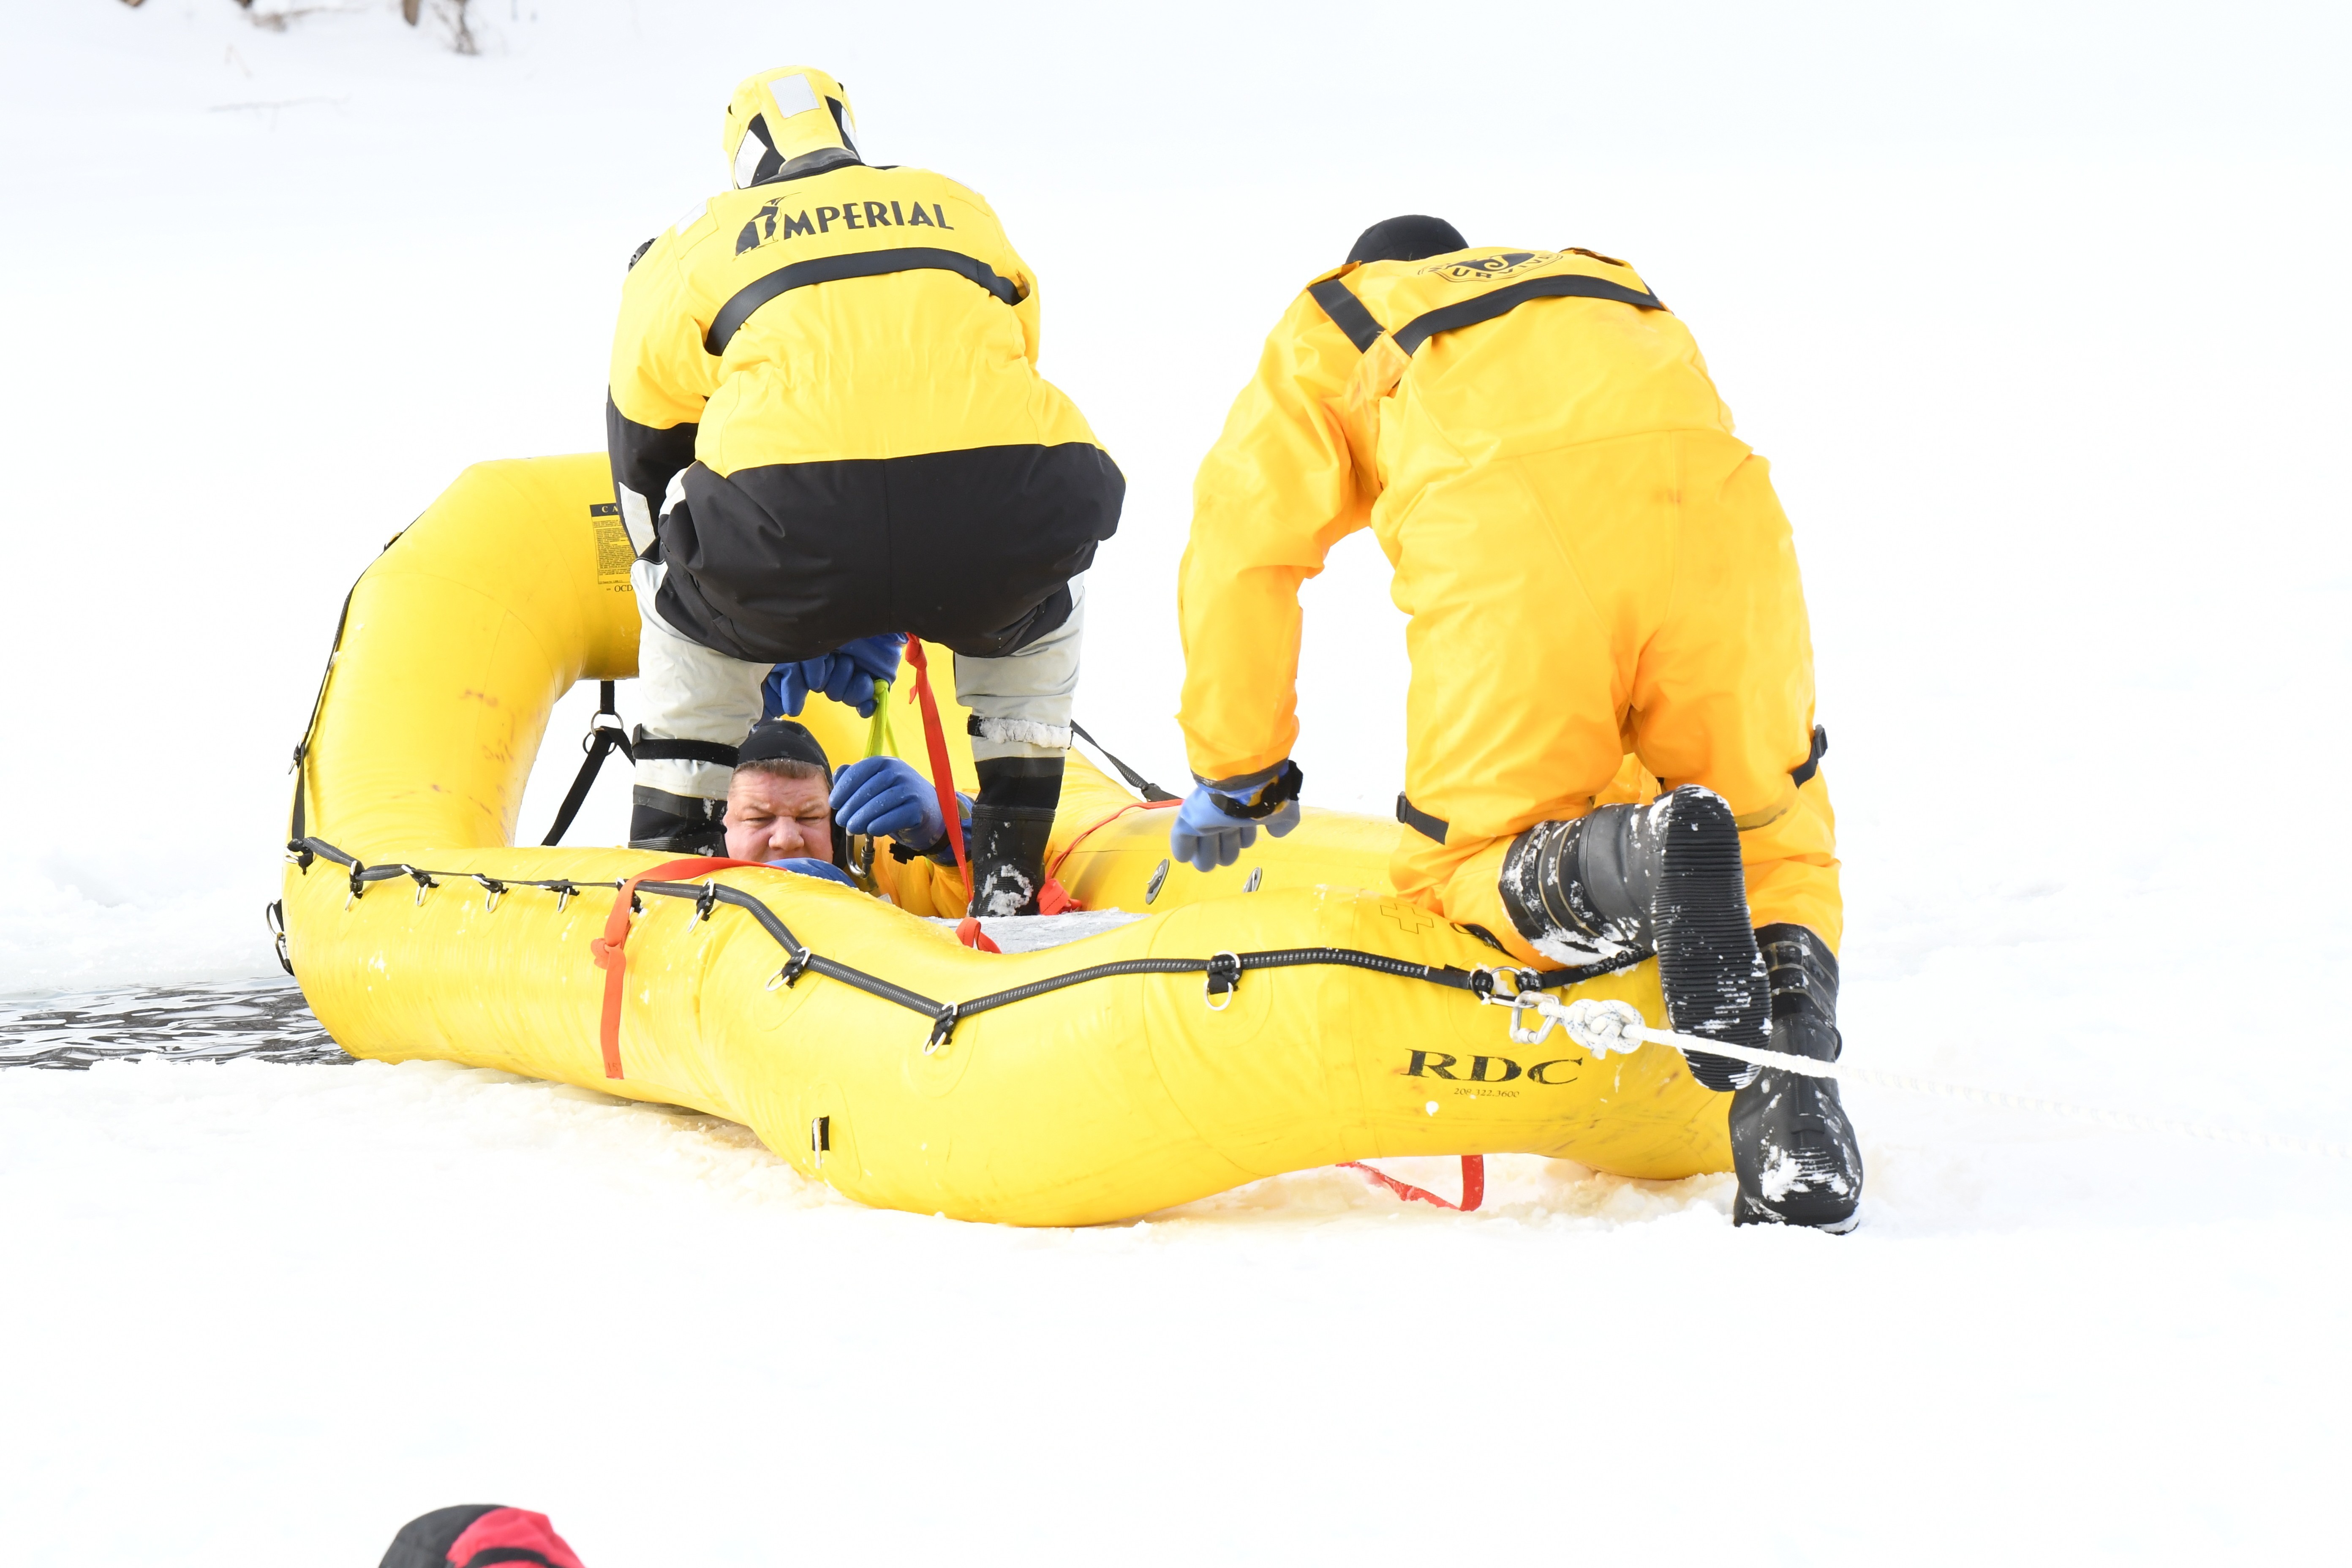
{"x": 1277, "y": 1015}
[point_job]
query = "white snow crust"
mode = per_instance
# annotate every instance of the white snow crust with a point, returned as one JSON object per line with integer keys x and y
{"x": 2038, "y": 314}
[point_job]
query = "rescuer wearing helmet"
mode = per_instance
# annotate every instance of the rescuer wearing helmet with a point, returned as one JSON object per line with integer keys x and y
{"x": 827, "y": 427}
{"x": 1610, "y": 743}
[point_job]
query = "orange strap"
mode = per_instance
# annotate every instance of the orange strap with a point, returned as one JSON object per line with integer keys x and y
{"x": 1474, "y": 1183}
{"x": 611, "y": 950}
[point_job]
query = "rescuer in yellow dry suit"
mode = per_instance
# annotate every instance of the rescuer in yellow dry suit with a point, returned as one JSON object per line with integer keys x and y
{"x": 826, "y": 424}
{"x": 1602, "y": 593}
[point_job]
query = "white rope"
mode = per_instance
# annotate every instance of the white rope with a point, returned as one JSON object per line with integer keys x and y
{"x": 1606, "y": 1027}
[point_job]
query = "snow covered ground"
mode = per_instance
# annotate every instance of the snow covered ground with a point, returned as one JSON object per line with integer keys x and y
{"x": 2037, "y": 311}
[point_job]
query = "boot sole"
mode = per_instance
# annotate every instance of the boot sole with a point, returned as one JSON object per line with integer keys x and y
{"x": 1709, "y": 963}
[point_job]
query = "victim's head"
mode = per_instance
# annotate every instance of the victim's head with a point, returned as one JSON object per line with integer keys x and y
{"x": 778, "y": 802}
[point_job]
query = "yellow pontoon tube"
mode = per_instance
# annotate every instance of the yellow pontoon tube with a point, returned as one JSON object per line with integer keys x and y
{"x": 416, "y": 931}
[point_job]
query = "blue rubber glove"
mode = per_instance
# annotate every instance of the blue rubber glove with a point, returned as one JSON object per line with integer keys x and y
{"x": 1208, "y": 836}
{"x": 846, "y": 674}
{"x": 883, "y": 795}
{"x": 810, "y": 866}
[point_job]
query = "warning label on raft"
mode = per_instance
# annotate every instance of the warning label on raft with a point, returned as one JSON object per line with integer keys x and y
{"x": 613, "y": 555}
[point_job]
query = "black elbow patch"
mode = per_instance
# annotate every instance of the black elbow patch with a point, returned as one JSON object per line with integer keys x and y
{"x": 639, "y": 254}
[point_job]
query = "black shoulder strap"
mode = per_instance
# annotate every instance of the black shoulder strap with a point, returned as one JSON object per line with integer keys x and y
{"x": 1502, "y": 302}
{"x": 834, "y": 268}
{"x": 1347, "y": 313}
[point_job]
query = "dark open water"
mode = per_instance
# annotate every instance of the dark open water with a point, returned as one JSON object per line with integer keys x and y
{"x": 218, "y": 1021}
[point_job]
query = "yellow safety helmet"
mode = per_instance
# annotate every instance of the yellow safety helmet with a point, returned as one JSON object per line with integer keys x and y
{"x": 789, "y": 121}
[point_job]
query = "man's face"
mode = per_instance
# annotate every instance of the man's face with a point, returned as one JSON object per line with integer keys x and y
{"x": 774, "y": 818}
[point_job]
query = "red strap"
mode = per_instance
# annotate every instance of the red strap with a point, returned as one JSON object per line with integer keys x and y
{"x": 1056, "y": 897}
{"x": 934, "y": 742}
{"x": 1474, "y": 1183}
{"x": 1053, "y": 871}
{"x": 611, "y": 950}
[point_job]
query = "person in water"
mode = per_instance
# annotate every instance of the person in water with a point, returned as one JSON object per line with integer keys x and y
{"x": 1610, "y": 750}
{"x": 787, "y": 808}
{"x": 826, "y": 428}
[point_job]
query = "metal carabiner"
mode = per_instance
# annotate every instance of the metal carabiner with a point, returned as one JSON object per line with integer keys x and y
{"x": 1531, "y": 1001}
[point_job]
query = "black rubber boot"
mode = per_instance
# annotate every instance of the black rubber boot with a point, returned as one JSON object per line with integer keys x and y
{"x": 1791, "y": 1141}
{"x": 1663, "y": 878}
{"x": 1011, "y": 819}
{"x": 681, "y": 824}
{"x": 1008, "y": 858}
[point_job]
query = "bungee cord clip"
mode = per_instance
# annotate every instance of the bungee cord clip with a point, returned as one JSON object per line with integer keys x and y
{"x": 425, "y": 883}
{"x": 1225, "y": 978}
{"x": 943, "y": 1024}
{"x": 494, "y": 887}
{"x": 794, "y": 967}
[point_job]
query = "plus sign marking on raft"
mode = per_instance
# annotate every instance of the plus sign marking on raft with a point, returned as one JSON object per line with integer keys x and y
{"x": 1410, "y": 921}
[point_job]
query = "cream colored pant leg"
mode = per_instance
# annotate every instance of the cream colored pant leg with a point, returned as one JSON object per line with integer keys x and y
{"x": 685, "y": 692}
{"x": 1022, "y": 702}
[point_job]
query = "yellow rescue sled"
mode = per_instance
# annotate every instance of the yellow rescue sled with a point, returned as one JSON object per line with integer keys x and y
{"x": 1277, "y": 1015}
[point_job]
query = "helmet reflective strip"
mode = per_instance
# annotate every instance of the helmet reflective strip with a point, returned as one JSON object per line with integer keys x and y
{"x": 748, "y": 153}
{"x": 794, "y": 95}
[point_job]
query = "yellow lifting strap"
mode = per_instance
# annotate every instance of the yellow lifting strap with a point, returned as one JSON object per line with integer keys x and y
{"x": 880, "y": 740}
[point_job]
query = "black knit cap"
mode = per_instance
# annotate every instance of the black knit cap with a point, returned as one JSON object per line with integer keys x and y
{"x": 781, "y": 740}
{"x": 1412, "y": 237}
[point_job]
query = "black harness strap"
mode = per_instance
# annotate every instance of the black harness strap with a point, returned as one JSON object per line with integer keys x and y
{"x": 1421, "y": 822}
{"x": 655, "y": 749}
{"x": 834, "y": 268}
{"x": 1502, "y": 302}
{"x": 1347, "y": 313}
{"x": 1135, "y": 780}
{"x": 600, "y": 741}
{"x": 1803, "y": 772}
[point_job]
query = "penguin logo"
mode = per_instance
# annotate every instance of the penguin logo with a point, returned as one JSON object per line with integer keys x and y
{"x": 1487, "y": 268}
